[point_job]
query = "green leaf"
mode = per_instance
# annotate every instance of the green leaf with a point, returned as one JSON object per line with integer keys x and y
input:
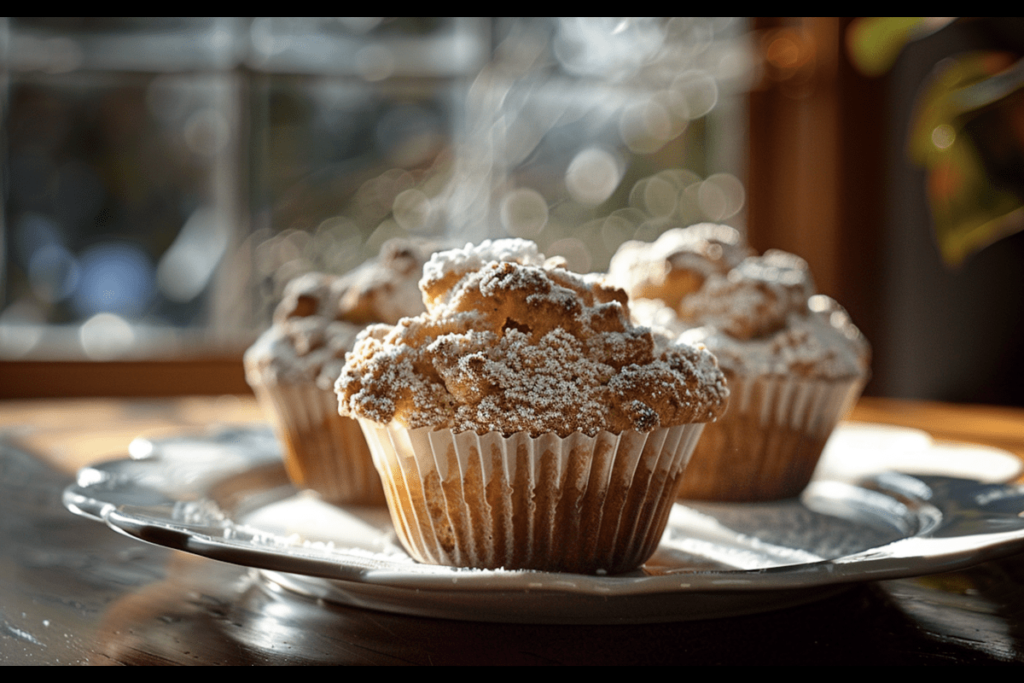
{"x": 968, "y": 212}
{"x": 874, "y": 43}
{"x": 975, "y": 188}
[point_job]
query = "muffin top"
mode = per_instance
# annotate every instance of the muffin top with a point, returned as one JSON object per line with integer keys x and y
{"x": 757, "y": 314}
{"x": 318, "y": 318}
{"x": 753, "y": 299}
{"x": 513, "y": 343}
{"x": 678, "y": 262}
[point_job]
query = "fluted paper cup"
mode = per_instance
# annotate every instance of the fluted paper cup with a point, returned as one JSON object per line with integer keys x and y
{"x": 323, "y": 451}
{"x": 575, "y": 504}
{"x": 768, "y": 443}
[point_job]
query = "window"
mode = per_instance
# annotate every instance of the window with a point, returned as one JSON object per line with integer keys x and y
{"x": 164, "y": 178}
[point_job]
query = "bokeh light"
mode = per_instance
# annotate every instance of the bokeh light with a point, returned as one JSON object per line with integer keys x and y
{"x": 105, "y": 336}
{"x": 721, "y": 196}
{"x": 53, "y": 272}
{"x": 32, "y": 232}
{"x": 574, "y": 251}
{"x": 576, "y": 133}
{"x": 412, "y": 210}
{"x": 592, "y": 176}
{"x": 615, "y": 229}
{"x": 646, "y": 126}
{"x": 115, "y": 277}
{"x": 693, "y": 94}
{"x": 524, "y": 212}
{"x": 659, "y": 198}
{"x": 21, "y": 329}
{"x": 191, "y": 261}
{"x": 943, "y": 136}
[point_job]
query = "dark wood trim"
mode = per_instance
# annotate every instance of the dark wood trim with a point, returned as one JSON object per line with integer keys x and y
{"x": 54, "y": 379}
{"x": 816, "y": 183}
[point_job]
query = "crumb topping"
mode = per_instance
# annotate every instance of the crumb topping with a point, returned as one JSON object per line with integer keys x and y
{"x": 755, "y": 298}
{"x": 444, "y": 269}
{"x": 678, "y": 262}
{"x": 759, "y": 315}
{"x": 512, "y": 344}
{"x": 320, "y": 315}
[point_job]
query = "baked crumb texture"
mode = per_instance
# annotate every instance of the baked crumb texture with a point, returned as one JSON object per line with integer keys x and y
{"x": 292, "y": 367}
{"x": 511, "y": 343}
{"x": 794, "y": 360}
{"x": 757, "y": 314}
{"x": 319, "y": 316}
{"x": 677, "y": 263}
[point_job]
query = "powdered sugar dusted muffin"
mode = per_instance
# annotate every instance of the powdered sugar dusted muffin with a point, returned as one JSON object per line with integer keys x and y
{"x": 523, "y": 421}
{"x": 795, "y": 364}
{"x": 678, "y": 262}
{"x": 764, "y": 318}
{"x": 292, "y": 367}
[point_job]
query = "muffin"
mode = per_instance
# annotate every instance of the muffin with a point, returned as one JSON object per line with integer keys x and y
{"x": 794, "y": 361}
{"x": 523, "y": 422}
{"x": 292, "y": 367}
{"x": 677, "y": 263}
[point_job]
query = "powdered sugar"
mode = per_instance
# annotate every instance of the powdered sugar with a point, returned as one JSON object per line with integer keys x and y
{"x": 809, "y": 345}
{"x": 311, "y": 351}
{"x": 678, "y": 262}
{"x": 440, "y": 272}
{"x": 320, "y": 315}
{"x": 513, "y": 346}
{"x": 761, "y": 316}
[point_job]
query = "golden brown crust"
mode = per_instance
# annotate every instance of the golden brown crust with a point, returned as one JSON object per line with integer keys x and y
{"x": 319, "y": 316}
{"x": 385, "y": 290}
{"x": 757, "y": 314}
{"x": 512, "y": 347}
{"x": 678, "y": 263}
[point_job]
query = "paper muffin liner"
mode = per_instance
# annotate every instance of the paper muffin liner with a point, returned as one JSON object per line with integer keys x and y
{"x": 768, "y": 443}
{"x": 323, "y": 451}
{"x": 576, "y": 504}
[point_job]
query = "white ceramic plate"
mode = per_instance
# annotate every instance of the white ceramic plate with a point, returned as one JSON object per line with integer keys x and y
{"x": 860, "y": 449}
{"x": 225, "y": 496}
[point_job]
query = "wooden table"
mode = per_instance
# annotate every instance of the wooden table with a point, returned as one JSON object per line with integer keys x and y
{"x": 72, "y": 591}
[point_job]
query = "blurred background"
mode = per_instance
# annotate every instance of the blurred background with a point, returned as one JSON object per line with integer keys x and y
{"x": 164, "y": 178}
